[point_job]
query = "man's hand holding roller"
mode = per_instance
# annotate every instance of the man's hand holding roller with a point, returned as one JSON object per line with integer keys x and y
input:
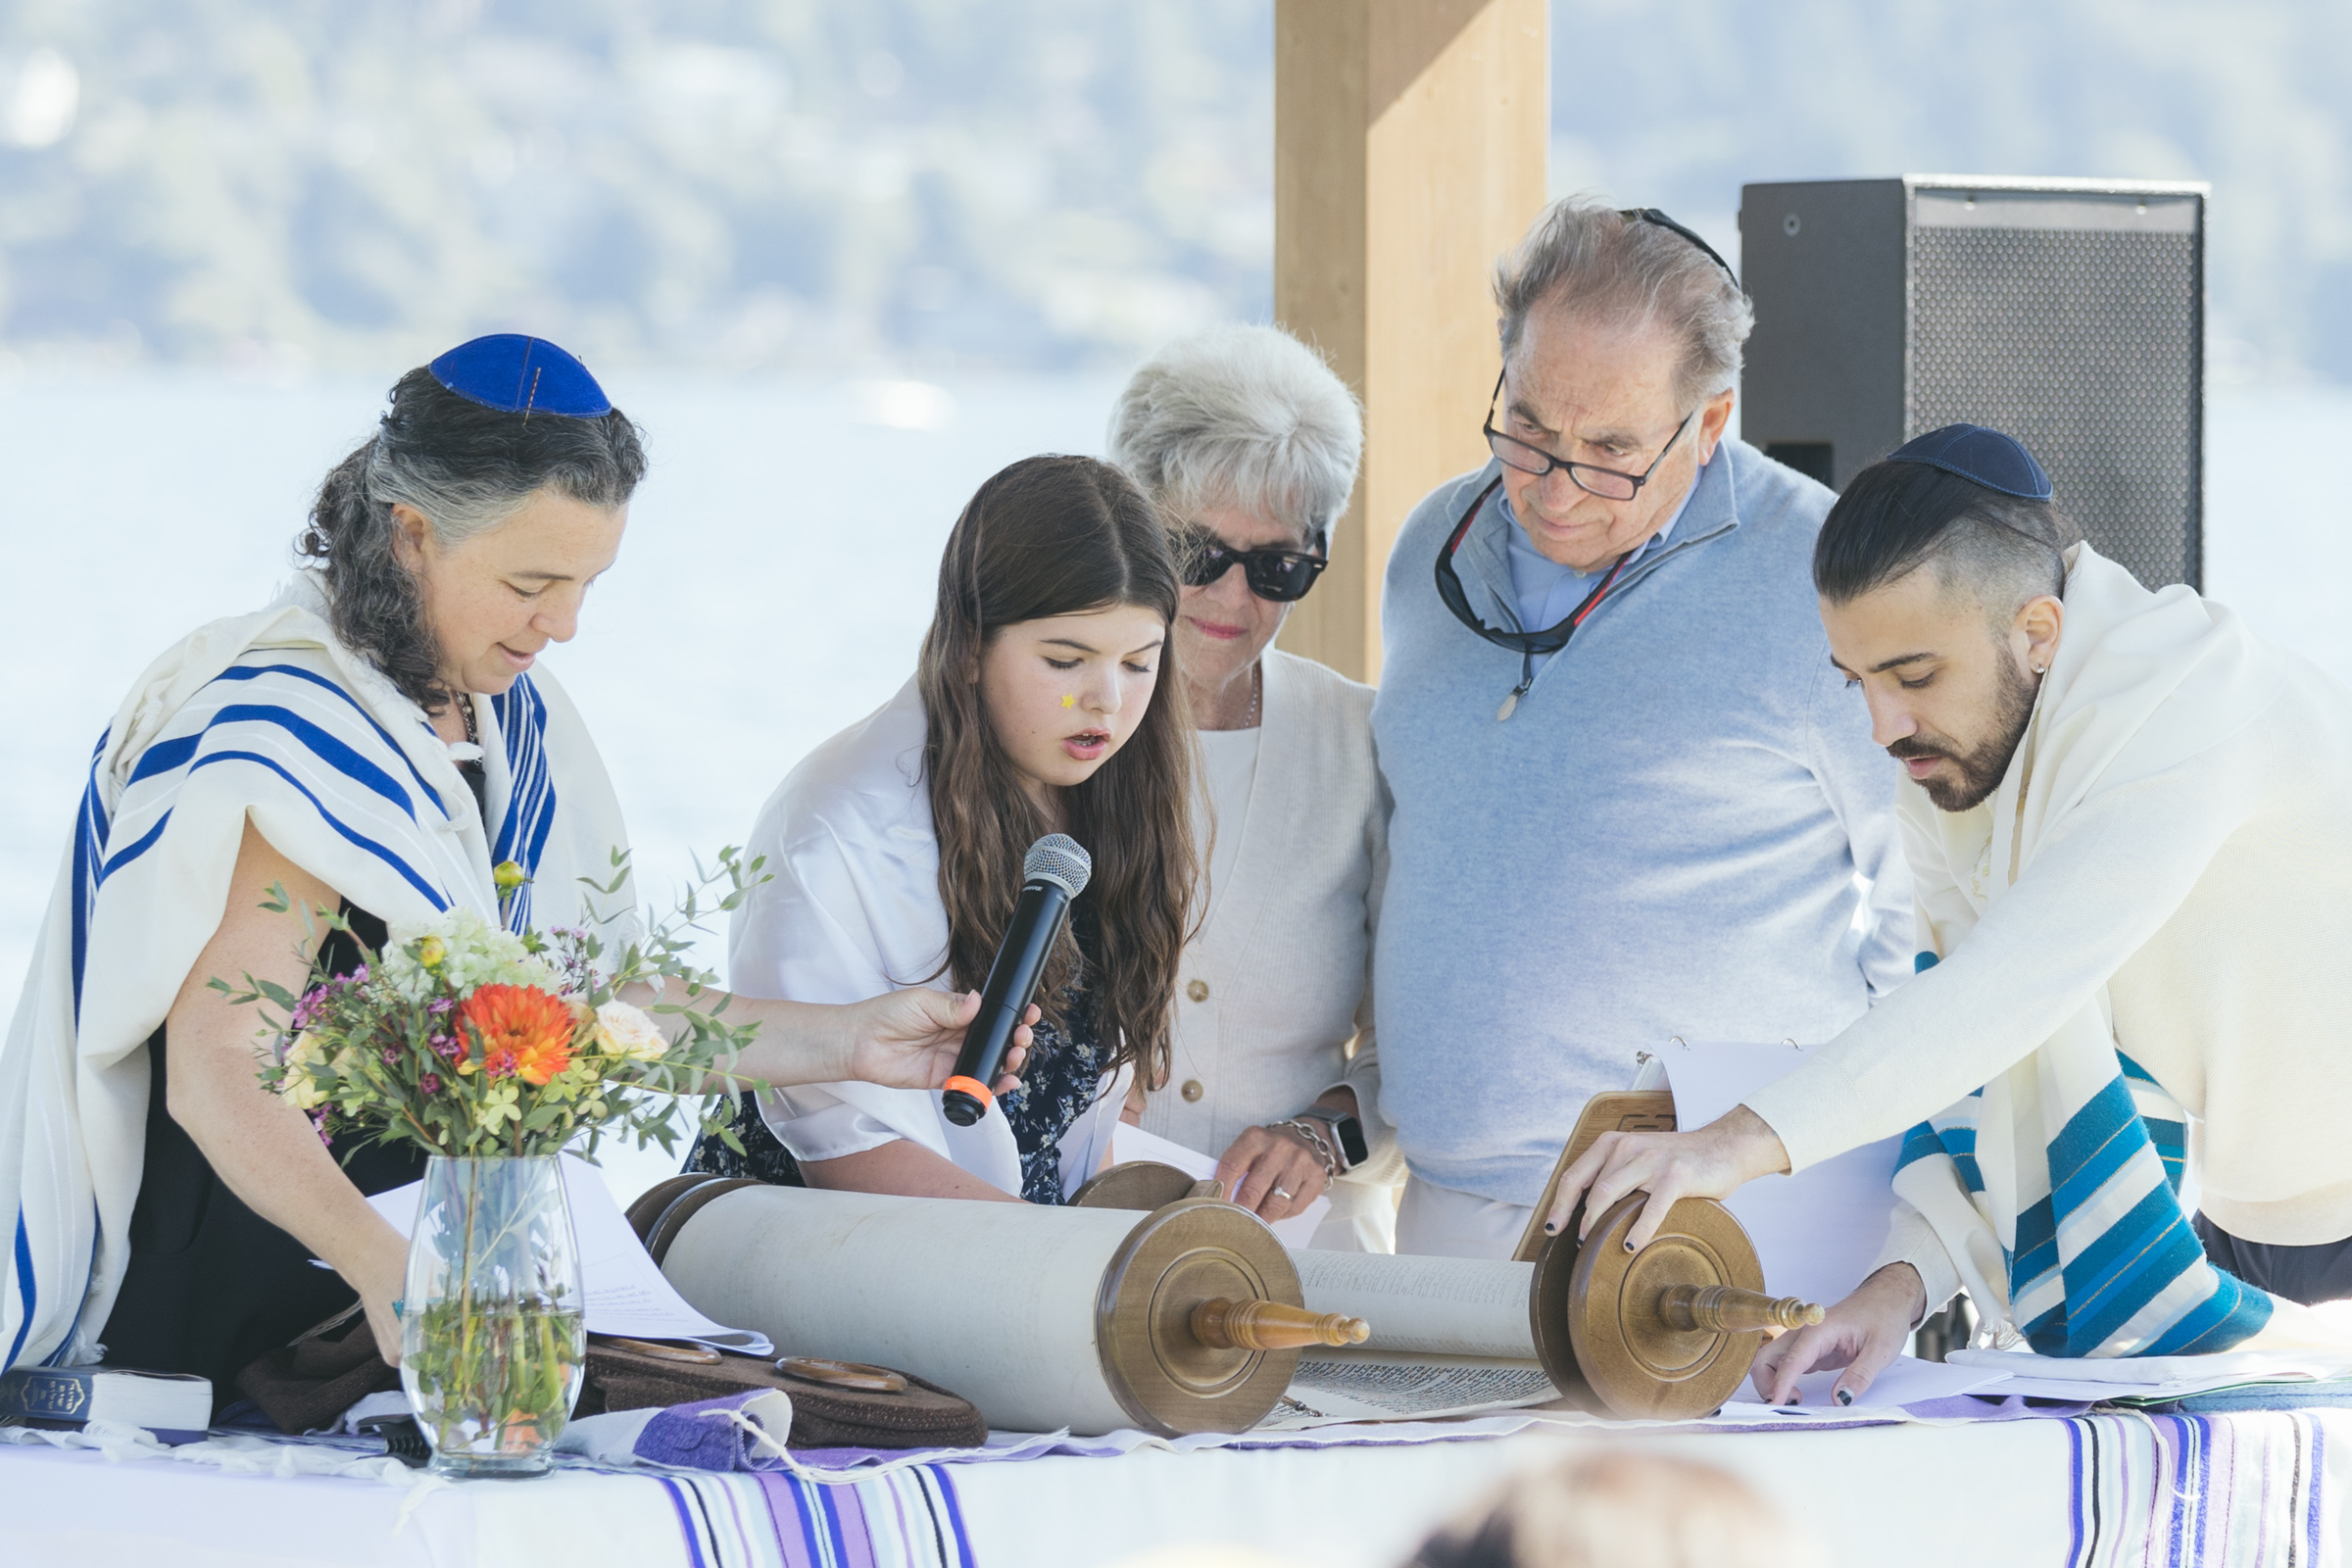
{"x": 1714, "y": 1161}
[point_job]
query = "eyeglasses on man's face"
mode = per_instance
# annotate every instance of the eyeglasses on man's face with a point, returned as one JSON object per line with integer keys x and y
{"x": 1282, "y": 575}
{"x": 1609, "y": 484}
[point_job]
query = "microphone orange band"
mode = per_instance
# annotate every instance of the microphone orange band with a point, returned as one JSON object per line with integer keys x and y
{"x": 974, "y": 1088}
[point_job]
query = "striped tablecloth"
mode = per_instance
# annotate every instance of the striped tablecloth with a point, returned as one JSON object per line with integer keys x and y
{"x": 2253, "y": 1489}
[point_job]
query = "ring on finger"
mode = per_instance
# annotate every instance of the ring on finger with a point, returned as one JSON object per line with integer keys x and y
{"x": 1280, "y": 1194}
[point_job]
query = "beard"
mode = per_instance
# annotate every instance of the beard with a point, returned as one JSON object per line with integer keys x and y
{"x": 1980, "y": 767}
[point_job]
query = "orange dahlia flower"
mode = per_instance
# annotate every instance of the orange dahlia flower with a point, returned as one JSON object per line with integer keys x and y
{"x": 524, "y": 1032}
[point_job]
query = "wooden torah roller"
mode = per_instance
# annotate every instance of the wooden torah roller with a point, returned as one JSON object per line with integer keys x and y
{"x": 1665, "y": 1334}
{"x": 1187, "y": 1320}
{"x": 1141, "y": 1184}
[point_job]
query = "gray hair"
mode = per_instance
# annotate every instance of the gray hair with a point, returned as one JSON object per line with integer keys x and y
{"x": 1241, "y": 415}
{"x": 466, "y": 468}
{"x": 1593, "y": 260}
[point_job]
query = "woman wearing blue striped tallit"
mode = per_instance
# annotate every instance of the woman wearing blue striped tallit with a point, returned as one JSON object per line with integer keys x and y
{"x": 376, "y": 739}
{"x": 2125, "y": 819}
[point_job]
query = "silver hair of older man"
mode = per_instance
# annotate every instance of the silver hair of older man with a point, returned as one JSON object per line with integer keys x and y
{"x": 1586, "y": 255}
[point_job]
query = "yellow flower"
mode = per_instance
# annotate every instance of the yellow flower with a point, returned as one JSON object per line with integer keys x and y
{"x": 509, "y": 876}
{"x": 298, "y": 1087}
{"x": 626, "y": 1032}
{"x": 431, "y": 951}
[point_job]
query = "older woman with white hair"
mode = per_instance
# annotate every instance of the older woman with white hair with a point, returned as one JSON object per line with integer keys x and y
{"x": 1250, "y": 442}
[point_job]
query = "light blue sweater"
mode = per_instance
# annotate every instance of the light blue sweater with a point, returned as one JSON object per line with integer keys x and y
{"x": 1662, "y": 840}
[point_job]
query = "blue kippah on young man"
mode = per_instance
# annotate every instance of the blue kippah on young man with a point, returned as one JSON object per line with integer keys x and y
{"x": 1983, "y": 457}
{"x": 519, "y": 374}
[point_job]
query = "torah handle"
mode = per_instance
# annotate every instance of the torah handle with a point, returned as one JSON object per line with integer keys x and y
{"x": 1259, "y": 1325}
{"x": 1729, "y": 1309}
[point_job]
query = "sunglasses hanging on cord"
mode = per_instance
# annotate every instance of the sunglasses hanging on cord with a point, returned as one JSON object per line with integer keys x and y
{"x": 1526, "y": 644}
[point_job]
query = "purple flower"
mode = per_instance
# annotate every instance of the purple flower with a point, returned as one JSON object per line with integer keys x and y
{"x": 429, "y": 1084}
{"x": 319, "y": 1123}
{"x": 440, "y": 1004}
{"x": 446, "y": 1049}
{"x": 392, "y": 1055}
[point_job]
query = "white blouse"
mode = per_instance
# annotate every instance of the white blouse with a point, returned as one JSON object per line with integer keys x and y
{"x": 853, "y": 910}
{"x": 1277, "y": 982}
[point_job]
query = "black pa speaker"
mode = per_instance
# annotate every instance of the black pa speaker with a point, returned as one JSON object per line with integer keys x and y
{"x": 2070, "y": 313}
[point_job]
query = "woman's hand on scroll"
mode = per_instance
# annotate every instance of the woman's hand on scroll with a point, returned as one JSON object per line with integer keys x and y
{"x": 1272, "y": 1172}
{"x": 1862, "y": 1334}
{"x": 1715, "y": 1161}
{"x": 910, "y": 1039}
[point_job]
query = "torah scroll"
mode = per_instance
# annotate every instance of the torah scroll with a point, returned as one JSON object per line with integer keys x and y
{"x": 1044, "y": 1318}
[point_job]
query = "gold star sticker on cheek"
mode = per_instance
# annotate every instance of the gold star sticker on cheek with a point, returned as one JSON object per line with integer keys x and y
{"x": 1069, "y": 701}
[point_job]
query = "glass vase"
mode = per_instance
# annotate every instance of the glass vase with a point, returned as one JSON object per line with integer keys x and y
{"x": 492, "y": 1340}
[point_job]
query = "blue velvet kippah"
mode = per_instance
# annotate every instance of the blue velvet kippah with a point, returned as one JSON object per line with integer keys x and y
{"x": 1983, "y": 457}
{"x": 520, "y": 374}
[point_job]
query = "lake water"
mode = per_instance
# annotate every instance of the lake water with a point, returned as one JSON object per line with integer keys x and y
{"x": 775, "y": 583}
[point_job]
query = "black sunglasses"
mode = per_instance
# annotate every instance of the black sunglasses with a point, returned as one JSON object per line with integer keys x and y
{"x": 1526, "y": 644}
{"x": 1543, "y": 640}
{"x": 1282, "y": 575}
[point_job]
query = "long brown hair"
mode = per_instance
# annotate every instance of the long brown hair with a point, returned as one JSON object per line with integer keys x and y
{"x": 1061, "y": 536}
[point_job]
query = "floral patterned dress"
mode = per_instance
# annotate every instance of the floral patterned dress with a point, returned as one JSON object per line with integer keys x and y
{"x": 1062, "y": 1078}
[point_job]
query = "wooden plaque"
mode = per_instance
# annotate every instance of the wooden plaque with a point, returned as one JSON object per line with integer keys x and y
{"x": 1621, "y": 1110}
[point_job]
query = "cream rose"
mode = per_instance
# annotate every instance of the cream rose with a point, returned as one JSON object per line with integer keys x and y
{"x": 626, "y": 1032}
{"x": 298, "y": 1087}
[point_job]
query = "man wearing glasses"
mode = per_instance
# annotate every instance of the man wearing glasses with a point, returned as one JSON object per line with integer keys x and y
{"x": 1630, "y": 802}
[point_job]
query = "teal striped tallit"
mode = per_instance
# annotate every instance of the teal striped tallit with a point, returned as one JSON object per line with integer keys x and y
{"x": 2097, "y": 1254}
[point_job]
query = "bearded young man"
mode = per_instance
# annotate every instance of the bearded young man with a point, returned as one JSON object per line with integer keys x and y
{"x": 2126, "y": 826}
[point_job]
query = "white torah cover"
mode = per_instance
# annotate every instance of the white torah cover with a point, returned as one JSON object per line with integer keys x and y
{"x": 264, "y": 717}
{"x": 2056, "y": 1190}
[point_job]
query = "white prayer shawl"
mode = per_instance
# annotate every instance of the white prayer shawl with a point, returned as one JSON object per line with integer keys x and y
{"x": 854, "y": 910}
{"x": 264, "y": 717}
{"x": 2055, "y": 1191}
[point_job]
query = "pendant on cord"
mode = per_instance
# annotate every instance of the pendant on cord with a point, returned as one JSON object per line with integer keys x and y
{"x": 1526, "y": 678}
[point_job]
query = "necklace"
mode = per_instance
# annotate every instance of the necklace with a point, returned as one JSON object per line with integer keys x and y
{"x": 464, "y": 702}
{"x": 1258, "y": 690}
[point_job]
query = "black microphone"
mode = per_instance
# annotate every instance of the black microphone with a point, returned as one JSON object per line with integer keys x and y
{"x": 1053, "y": 873}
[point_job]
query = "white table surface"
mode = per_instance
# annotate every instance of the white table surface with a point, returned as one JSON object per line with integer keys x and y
{"x": 1964, "y": 1495}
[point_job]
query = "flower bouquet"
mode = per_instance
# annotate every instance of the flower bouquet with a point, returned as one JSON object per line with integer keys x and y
{"x": 493, "y": 1051}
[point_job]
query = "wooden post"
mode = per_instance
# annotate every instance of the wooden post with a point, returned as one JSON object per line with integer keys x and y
{"x": 1410, "y": 146}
